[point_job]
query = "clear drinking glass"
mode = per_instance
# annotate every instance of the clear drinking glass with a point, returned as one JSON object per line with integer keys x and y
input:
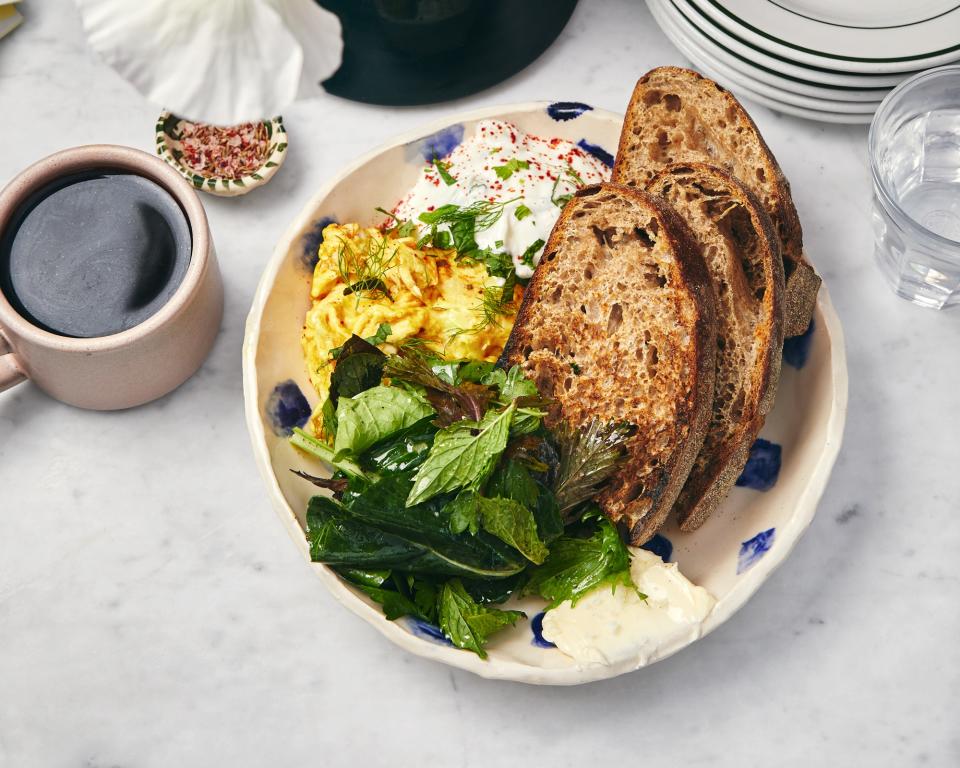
{"x": 915, "y": 160}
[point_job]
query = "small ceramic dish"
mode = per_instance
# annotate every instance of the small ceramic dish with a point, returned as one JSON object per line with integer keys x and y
{"x": 257, "y": 168}
{"x": 731, "y": 555}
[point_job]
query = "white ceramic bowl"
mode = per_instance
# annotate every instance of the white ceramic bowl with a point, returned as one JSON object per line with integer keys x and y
{"x": 169, "y": 149}
{"x": 732, "y": 555}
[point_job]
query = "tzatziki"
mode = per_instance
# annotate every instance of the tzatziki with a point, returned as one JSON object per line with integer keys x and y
{"x": 607, "y": 626}
{"x": 501, "y": 163}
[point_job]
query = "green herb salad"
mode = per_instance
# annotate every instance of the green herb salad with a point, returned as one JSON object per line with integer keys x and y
{"x": 449, "y": 495}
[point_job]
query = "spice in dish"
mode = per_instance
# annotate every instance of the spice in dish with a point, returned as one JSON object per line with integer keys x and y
{"x": 223, "y": 152}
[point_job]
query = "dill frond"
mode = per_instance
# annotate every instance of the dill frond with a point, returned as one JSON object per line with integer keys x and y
{"x": 364, "y": 271}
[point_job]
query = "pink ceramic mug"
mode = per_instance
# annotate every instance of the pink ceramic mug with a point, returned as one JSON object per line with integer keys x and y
{"x": 141, "y": 363}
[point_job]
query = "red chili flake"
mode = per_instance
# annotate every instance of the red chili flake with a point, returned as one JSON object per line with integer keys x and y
{"x": 229, "y": 152}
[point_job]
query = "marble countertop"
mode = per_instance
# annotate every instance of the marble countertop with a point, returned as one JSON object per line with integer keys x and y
{"x": 153, "y": 611}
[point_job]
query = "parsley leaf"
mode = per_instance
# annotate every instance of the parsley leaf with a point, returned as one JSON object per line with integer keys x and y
{"x": 510, "y": 167}
{"x": 443, "y": 170}
{"x": 508, "y": 520}
{"x": 467, "y": 623}
{"x": 522, "y": 212}
{"x": 576, "y": 566}
{"x": 531, "y": 253}
{"x": 463, "y": 455}
{"x": 588, "y": 456}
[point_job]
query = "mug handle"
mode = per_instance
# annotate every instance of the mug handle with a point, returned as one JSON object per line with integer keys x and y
{"x": 10, "y": 371}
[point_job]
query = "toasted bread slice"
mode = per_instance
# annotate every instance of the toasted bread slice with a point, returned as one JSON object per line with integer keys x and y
{"x": 618, "y": 323}
{"x": 677, "y": 115}
{"x": 742, "y": 254}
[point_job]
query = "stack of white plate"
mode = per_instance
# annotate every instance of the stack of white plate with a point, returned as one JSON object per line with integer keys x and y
{"x": 829, "y": 60}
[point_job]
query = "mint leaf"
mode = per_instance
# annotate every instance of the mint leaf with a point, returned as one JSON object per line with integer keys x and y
{"x": 504, "y": 518}
{"x": 522, "y": 212}
{"x": 512, "y": 383}
{"x": 528, "y": 256}
{"x": 512, "y": 480}
{"x": 463, "y": 455}
{"x": 467, "y": 623}
{"x": 373, "y": 415}
{"x": 443, "y": 170}
{"x": 510, "y": 167}
{"x": 463, "y": 514}
{"x": 576, "y": 566}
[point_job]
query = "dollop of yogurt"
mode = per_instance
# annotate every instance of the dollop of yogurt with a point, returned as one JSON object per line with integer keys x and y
{"x": 501, "y": 163}
{"x": 608, "y": 626}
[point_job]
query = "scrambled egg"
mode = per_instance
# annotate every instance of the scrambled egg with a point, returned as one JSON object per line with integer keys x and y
{"x": 365, "y": 277}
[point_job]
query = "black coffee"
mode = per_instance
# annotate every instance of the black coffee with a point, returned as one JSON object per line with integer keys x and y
{"x": 94, "y": 254}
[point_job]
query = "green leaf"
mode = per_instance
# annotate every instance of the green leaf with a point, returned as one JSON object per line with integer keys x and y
{"x": 328, "y": 412}
{"x": 310, "y": 444}
{"x": 443, "y": 170}
{"x": 452, "y": 402}
{"x": 440, "y": 214}
{"x": 498, "y": 264}
{"x": 575, "y": 566}
{"x": 528, "y": 256}
{"x": 256, "y": 176}
{"x": 366, "y": 578}
{"x": 337, "y": 539}
{"x": 373, "y": 415}
{"x": 508, "y": 520}
{"x": 512, "y": 383}
{"x": 381, "y": 505}
{"x": 473, "y": 371}
{"x": 380, "y": 337}
{"x": 513, "y": 481}
{"x": 394, "y": 603}
{"x": 588, "y": 457}
{"x": 464, "y": 514}
{"x": 510, "y": 167}
{"x": 468, "y": 624}
{"x": 359, "y": 367}
{"x": 494, "y": 591}
{"x": 522, "y": 212}
{"x": 403, "y": 452}
{"x": 463, "y": 455}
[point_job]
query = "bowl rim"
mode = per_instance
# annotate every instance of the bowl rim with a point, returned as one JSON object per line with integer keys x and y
{"x": 279, "y": 142}
{"x": 499, "y": 669}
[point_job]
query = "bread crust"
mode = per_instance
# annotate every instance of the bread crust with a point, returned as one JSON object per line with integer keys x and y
{"x": 630, "y": 167}
{"x": 641, "y": 494}
{"x": 732, "y": 432}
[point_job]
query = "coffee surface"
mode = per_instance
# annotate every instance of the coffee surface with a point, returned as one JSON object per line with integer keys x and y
{"x": 94, "y": 254}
